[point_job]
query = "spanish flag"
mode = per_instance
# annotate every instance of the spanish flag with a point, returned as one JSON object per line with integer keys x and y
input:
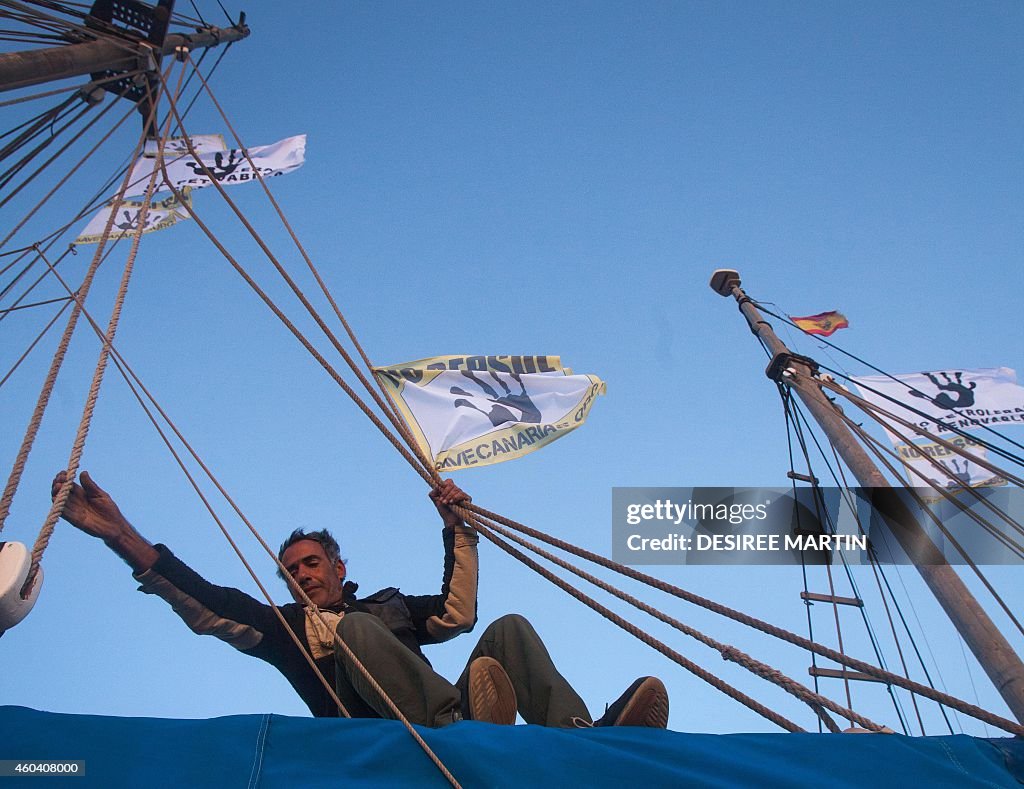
{"x": 824, "y": 323}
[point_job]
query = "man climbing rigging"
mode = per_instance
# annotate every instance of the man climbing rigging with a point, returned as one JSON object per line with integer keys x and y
{"x": 510, "y": 669}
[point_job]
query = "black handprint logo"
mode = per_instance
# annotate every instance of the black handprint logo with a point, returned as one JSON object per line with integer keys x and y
{"x": 220, "y": 169}
{"x": 131, "y": 221}
{"x": 176, "y": 146}
{"x": 959, "y": 475}
{"x": 507, "y": 407}
{"x": 964, "y": 394}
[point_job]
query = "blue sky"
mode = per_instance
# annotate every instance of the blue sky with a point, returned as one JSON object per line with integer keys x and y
{"x": 542, "y": 179}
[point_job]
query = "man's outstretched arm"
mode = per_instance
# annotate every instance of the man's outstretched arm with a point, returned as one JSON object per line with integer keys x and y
{"x": 90, "y": 509}
{"x": 208, "y": 609}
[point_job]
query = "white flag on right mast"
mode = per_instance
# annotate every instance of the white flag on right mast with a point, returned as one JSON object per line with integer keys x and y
{"x": 228, "y": 167}
{"x": 959, "y": 398}
{"x": 931, "y": 464}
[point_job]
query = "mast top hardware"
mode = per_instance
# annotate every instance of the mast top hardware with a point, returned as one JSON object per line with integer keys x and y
{"x": 120, "y": 38}
{"x": 777, "y": 367}
{"x": 92, "y": 94}
{"x": 140, "y": 19}
{"x": 141, "y": 22}
{"x": 723, "y": 280}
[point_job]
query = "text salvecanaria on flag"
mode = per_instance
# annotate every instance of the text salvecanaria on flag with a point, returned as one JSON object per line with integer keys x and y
{"x": 228, "y": 167}
{"x": 824, "y": 323}
{"x": 467, "y": 411}
{"x": 161, "y": 214}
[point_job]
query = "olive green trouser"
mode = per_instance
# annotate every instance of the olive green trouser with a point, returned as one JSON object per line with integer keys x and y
{"x": 424, "y": 697}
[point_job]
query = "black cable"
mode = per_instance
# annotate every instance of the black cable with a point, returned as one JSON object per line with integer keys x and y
{"x": 36, "y": 121}
{"x": 209, "y": 76}
{"x": 199, "y": 13}
{"x": 222, "y": 8}
{"x": 913, "y": 643}
{"x": 17, "y": 277}
{"x": 9, "y": 174}
{"x": 19, "y": 37}
{"x": 825, "y": 518}
{"x": 61, "y": 8}
{"x": 784, "y": 396}
{"x": 35, "y": 304}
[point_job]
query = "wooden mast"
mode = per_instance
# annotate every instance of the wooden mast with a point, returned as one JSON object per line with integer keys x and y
{"x": 990, "y": 647}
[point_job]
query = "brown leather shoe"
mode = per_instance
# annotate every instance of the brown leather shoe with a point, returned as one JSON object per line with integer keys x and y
{"x": 645, "y": 703}
{"x": 491, "y": 695}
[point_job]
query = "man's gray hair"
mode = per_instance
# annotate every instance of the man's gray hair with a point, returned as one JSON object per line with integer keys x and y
{"x": 324, "y": 537}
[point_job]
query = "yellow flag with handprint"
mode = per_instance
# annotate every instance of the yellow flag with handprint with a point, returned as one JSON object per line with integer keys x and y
{"x": 467, "y": 411}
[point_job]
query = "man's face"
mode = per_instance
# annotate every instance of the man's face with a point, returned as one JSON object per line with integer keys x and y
{"x": 319, "y": 578}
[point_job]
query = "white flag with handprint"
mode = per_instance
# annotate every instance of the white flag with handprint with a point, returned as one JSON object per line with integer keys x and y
{"x": 228, "y": 168}
{"x": 961, "y": 399}
{"x": 467, "y": 411}
{"x": 947, "y": 466}
{"x": 178, "y": 146}
{"x": 128, "y": 216}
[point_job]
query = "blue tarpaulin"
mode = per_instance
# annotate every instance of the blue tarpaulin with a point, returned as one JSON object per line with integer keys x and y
{"x": 271, "y": 751}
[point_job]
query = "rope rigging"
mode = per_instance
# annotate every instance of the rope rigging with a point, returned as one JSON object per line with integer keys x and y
{"x": 9, "y": 175}
{"x": 76, "y": 450}
{"x": 821, "y": 518}
{"x": 36, "y": 341}
{"x": 91, "y": 205}
{"x": 880, "y": 453}
{"x": 77, "y": 89}
{"x": 55, "y": 27}
{"x": 488, "y": 524}
{"x": 805, "y": 379}
{"x": 59, "y": 500}
{"x": 944, "y": 491}
{"x": 784, "y": 394}
{"x": 33, "y": 126}
{"x": 879, "y": 575}
{"x": 44, "y": 395}
{"x": 135, "y": 385}
{"x": 421, "y": 464}
{"x": 794, "y": 417}
{"x": 90, "y": 404}
{"x": 876, "y": 411}
{"x": 34, "y": 304}
{"x": 305, "y": 342}
{"x": 886, "y": 593}
{"x": 322, "y": 358}
{"x": 1007, "y": 541}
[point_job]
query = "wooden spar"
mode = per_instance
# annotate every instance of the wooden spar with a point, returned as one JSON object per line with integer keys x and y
{"x": 38, "y": 66}
{"x": 984, "y": 639}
